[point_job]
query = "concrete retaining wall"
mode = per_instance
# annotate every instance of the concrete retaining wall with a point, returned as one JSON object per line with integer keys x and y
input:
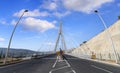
{"x": 100, "y": 45}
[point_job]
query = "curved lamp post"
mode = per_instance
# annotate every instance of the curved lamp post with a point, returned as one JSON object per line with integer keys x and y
{"x": 7, "y": 51}
{"x": 108, "y": 33}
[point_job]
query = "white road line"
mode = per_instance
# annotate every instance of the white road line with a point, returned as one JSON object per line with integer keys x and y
{"x": 55, "y": 63}
{"x": 59, "y": 68}
{"x": 101, "y": 69}
{"x": 67, "y": 63}
{"x": 49, "y": 58}
{"x": 69, "y": 72}
{"x": 55, "y": 58}
{"x": 73, "y": 71}
{"x": 50, "y": 71}
{"x": 22, "y": 62}
{"x": 70, "y": 66}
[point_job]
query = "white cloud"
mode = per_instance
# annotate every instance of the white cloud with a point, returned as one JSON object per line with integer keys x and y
{"x": 50, "y": 43}
{"x": 37, "y": 24}
{"x": 84, "y": 5}
{"x": 61, "y": 14}
{"x": 54, "y": 22}
{"x": 13, "y": 22}
{"x": 33, "y": 37}
{"x": 2, "y": 39}
{"x": 33, "y": 13}
{"x": 49, "y": 5}
{"x": 2, "y": 21}
{"x": 118, "y": 4}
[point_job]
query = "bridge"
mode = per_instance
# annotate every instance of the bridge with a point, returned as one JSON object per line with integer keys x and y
{"x": 73, "y": 61}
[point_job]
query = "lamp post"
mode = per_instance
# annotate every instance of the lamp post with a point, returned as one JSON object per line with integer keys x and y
{"x": 7, "y": 51}
{"x": 108, "y": 33}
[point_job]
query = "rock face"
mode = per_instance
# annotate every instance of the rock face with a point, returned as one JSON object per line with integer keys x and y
{"x": 101, "y": 46}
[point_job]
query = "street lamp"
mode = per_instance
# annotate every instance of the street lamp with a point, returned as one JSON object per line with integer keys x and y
{"x": 7, "y": 51}
{"x": 108, "y": 33}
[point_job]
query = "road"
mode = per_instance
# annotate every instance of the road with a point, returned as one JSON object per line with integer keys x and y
{"x": 51, "y": 65}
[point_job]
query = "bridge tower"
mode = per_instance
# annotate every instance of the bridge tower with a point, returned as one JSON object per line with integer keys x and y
{"x": 60, "y": 37}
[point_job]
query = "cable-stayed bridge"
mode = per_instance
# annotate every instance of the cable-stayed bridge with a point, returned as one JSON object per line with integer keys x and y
{"x": 74, "y": 61}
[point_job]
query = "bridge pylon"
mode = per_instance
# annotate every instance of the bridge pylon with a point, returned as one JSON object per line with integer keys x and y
{"x": 60, "y": 37}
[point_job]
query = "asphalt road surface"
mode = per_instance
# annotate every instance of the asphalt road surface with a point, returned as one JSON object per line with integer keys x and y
{"x": 52, "y": 65}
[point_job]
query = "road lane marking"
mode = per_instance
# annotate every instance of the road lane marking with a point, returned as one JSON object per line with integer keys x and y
{"x": 69, "y": 72}
{"x": 49, "y": 58}
{"x": 74, "y": 71}
{"x": 22, "y": 62}
{"x": 58, "y": 69}
{"x": 55, "y": 58}
{"x": 101, "y": 69}
{"x": 67, "y": 63}
{"x": 50, "y": 71}
{"x": 68, "y": 66}
{"x": 55, "y": 62}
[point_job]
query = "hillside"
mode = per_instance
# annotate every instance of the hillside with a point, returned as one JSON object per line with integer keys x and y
{"x": 17, "y": 52}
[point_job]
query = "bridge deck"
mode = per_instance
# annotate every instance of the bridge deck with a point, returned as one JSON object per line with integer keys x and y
{"x": 45, "y": 65}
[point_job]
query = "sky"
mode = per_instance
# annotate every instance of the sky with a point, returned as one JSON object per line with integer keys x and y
{"x": 38, "y": 28}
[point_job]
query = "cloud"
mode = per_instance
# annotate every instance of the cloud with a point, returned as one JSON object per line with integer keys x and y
{"x": 61, "y": 14}
{"x": 13, "y": 22}
{"x": 34, "y": 13}
{"x": 2, "y": 21}
{"x": 49, "y": 5}
{"x": 50, "y": 43}
{"x": 118, "y": 4}
{"x": 2, "y": 39}
{"x": 54, "y": 22}
{"x": 33, "y": 37}
{"x": 37, "y": 24}
{"x": 84, "y": 5}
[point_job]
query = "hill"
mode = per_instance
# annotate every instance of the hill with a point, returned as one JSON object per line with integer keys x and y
{"x": 17, "y": 52}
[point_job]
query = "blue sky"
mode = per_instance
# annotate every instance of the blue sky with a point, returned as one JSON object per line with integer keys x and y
{"x": 38, "y": 28}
